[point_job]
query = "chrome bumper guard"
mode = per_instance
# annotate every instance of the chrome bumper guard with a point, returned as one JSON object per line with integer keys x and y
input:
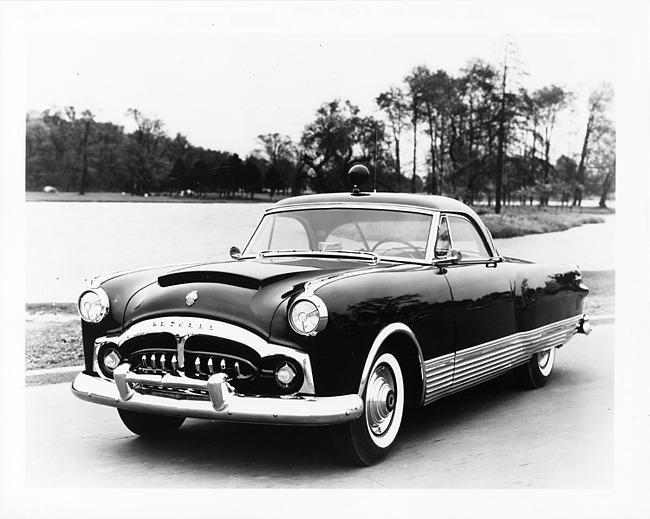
{"x": 224, "y": 403}
{"x": 584, "y": 326}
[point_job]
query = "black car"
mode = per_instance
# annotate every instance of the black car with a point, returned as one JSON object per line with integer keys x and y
{"x": 341, "y": 309}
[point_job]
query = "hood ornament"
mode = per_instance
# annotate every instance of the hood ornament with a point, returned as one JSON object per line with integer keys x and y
{"x": 191, "y": 298}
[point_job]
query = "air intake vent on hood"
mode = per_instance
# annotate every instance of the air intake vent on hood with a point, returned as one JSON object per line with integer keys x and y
{"x": 208, "y": 276}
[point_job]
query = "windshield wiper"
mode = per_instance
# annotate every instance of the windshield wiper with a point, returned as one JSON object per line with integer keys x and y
{"x": 321, "y": 253}
{"x": 370, "y": 255}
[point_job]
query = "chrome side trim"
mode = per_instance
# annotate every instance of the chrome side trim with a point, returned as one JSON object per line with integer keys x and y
{"x": 184, "y": 327}
{"x": 439, "y": 375}
{"x": 223, "y": 402}
{"x": 480, "y": 363}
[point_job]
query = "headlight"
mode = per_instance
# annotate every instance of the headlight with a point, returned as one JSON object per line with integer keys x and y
{"x": 308, "y": 316}
{"x": 93, "y": 305}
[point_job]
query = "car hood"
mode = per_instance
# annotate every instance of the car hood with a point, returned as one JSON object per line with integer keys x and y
{"x": 245, "y": 292}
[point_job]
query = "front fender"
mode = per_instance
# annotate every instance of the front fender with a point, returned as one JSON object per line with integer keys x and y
{"x": 363, "y": 311}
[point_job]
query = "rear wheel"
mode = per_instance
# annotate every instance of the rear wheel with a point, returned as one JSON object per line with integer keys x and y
{"x": 150, "y": 425}
{"x": 536, "y": 372}
{"x": 370, "y": 437}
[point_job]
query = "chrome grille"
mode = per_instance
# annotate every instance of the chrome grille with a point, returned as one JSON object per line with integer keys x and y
{"x": 174, "y": 348}
{"x": 197, "y": 364}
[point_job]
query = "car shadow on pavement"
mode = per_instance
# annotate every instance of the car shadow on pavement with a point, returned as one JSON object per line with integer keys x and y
{"x": 253, "y": 450}
{"x": 246, "y": 447}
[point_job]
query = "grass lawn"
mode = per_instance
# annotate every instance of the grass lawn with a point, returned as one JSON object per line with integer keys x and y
{"x": 53, "y": 332}
{"x": 521, "y": 221}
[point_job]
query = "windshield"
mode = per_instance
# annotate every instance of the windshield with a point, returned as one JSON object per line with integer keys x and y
{"x": 382, "y": 232}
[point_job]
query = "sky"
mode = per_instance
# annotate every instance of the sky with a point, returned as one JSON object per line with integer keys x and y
{"x": 221, "y": 74}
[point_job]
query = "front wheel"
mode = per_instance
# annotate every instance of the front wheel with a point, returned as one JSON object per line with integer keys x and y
{"x": 150, "y": 425}
{"x": 536, "y": 372}
{"x": 370, "y": 437}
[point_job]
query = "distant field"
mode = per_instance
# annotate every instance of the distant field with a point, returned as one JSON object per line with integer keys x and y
{"x": 522, "y": 221}
{"x": 38, "y": 196}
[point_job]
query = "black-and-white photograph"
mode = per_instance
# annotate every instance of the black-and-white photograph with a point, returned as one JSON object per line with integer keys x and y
{"x": 302, "y": 257}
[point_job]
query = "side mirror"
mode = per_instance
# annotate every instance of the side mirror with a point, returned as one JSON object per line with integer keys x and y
{"x": 235, "y": 253}
{"x": 454, "y": 256}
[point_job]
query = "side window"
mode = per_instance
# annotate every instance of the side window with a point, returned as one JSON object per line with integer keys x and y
{"x": 443, "y": 244}
{"x": 466, "y": 238}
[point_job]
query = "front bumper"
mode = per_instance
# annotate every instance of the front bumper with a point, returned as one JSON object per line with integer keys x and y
{"x": 223, "y": 403}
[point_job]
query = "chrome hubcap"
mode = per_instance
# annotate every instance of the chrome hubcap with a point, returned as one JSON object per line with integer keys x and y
{"x": 380, "y": 400}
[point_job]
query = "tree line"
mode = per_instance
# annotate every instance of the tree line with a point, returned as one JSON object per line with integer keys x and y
{"x": 485, "y": 138}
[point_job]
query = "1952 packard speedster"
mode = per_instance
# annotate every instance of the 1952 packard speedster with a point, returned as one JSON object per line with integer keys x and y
{"x": 340, "y": 310}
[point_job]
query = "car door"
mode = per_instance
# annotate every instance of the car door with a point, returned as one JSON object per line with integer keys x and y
{"x": 483, "y": 303}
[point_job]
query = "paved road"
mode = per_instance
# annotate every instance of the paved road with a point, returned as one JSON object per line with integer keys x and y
{"x": 491, "y": 437}
{"x": 590, "y": 246}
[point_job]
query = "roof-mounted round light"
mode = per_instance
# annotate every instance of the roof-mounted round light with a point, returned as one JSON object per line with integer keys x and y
{"x": 94, "y": 305}
{"x": 358, "y": 175}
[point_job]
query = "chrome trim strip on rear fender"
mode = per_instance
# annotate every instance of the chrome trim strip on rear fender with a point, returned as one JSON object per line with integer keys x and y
{"x": 480, "y": 363}
{"x": 223, "y": 402}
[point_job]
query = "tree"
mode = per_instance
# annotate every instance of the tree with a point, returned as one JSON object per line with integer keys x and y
{"x": 603, "y": 161}
{"x": 596, "y": 108}
{"x": 393, "y": 103}
{"x": 548, "y": 102}
{"x": 88, "y": 125}
{"x": 251, "y": 176}
{"x": 40, "y": 160}
{"x": 566, "y": 169}
{"x": 61, "y": 142}
{"x": 234, "y": 174}
{"x": 435, "y": 96}
{"x": 502, "y": 137}
{"x": 276, "y": 147}
{"x": 476, "y": 111}
{"x": 330, "y": 144}
{"x": 507, "y": 118}
{"x": 415, "y": 84}
{"x": 147, "y": 147}
{"x": 279, "y": 154}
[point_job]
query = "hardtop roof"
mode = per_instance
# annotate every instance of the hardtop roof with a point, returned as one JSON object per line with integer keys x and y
{"x": 434, "y": 202}
{"x": 399, "y": 200}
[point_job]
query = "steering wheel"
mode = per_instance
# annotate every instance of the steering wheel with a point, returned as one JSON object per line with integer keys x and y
{"x": 398, "y": 240}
